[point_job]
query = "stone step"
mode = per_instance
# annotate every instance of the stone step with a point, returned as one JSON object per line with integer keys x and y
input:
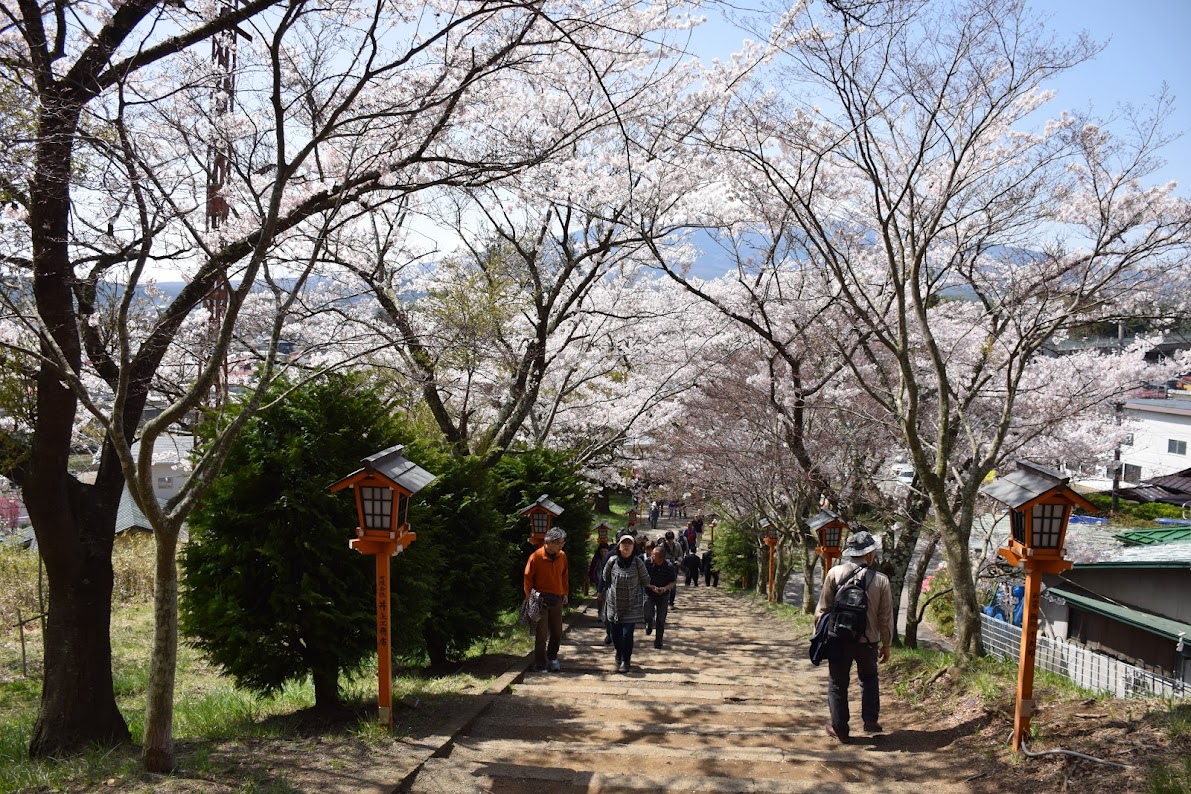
{"x": 443, "y": 776}
{"x": 793, "y": 691}
{"x": 595, "y": 710}
{"x": 817, "y": 760}
{"x": 791, "y": 733}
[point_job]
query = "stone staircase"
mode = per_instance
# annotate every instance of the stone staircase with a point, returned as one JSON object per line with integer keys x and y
{"x": 730, "y": 705}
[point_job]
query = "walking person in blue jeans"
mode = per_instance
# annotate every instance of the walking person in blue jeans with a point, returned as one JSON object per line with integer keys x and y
{"x": 624, "y": 600}
{"x": 859, "y": 553}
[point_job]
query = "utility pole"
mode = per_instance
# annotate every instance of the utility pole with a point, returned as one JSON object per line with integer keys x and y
{"x": 223, "y": 96}
{"x": 1118, "y": 408}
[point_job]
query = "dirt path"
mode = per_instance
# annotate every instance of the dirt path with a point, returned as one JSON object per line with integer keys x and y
{"x": 730, "y": 705}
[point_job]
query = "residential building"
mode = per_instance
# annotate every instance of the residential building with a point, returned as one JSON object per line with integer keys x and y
{"x": 1134, "y": 606}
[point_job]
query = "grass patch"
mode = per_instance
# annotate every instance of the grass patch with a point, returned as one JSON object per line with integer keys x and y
{"x": 210, "y": 709}
{"x": 1172, "y": 779}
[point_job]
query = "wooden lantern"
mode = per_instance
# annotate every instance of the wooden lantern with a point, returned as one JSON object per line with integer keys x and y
{"x": 382, "y": 489}
{"x": 1040, "y": 503}
{"x": 541, "y": 514}
{"x": 603, "y": 532}
{"x": 831, "y": 530}
{"x": 767, "y": 532}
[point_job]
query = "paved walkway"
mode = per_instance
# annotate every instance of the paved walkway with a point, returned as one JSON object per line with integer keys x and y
{"x": 730, "y": 705}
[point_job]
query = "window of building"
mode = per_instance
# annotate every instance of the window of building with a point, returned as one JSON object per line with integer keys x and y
{"x": 1132, "y": 473}
{"x": 165, "y": 483}
{"x": 1176, "y": 447}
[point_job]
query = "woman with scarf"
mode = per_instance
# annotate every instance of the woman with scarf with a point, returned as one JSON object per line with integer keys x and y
{"x": 625, "y": 577}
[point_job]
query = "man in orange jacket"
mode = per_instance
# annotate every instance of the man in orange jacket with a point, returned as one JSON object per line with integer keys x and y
{"x": 546, "y": 571}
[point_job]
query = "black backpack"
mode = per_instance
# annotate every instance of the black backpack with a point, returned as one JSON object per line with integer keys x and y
{"x": 848, "y": 618}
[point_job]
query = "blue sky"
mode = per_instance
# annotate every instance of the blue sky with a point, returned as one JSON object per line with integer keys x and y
{"x": 1146, "y": 42}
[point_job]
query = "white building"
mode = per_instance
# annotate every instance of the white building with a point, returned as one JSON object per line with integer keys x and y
{"x": 1160, "y": 441}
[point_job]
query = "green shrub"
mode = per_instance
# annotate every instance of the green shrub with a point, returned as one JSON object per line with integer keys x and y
{"x": 521, "y": 477}
{"x": 272, "y": 590}
{"x": 1146, "y": 511}
{"x": 735, "y": 551}
{"x": 941, "y": 610}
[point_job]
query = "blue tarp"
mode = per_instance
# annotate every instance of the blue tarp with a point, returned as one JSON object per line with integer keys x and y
{"x": 1019, "y": 600}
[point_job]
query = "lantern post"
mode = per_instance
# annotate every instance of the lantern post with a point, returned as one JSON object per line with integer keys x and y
{"x": 541, "y": 514}
{"x": 1040, "y": 503}
{"x": 603, "y": 532}
{"x": 769, "y": 535}
{"x": 830, "y": 529}
{"x": 382, "y": 488}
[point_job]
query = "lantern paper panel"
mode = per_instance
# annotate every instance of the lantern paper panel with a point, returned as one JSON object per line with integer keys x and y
{"x": 1047, "y": 522}
{"x": 831, "y": 537}
{"x": 377, "y": 504}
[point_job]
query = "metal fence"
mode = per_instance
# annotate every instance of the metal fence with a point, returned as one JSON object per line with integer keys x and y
{"x": 1086, "y": 668}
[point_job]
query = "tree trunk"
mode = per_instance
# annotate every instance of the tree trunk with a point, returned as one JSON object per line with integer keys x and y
{"x": 810, "y": 599}
{"x": 157, "y": 752}
{"x": 78, "y": 707}
{"x": 784, "y": 565}
{"x": 326, "y": 689}
{"x": 603, "y": 501}
{"x": 916, "y": 507}
{"x": 915, "y": 593}
{"x": 967, "y": 613}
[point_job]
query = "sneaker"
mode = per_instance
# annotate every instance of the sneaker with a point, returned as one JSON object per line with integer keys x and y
{"x": 658, "y": 644}
{"x": 608, "y": 640}
{"x": 537, "y": 668}
{"x": 648, "y": 629}
{"x": 554, "y": 666}
{"x": 842, "y": 739}
{"x": 624, "y": 667}
{"x": 873, "y": 727}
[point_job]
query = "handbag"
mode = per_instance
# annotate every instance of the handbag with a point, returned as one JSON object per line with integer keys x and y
{"x": 531, "y": 609}
{"x": 823, "y": 646}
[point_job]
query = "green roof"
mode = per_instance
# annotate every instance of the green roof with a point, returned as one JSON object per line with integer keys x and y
{"x": 1146, "y": 537}
{"x": 1154, "y": 624}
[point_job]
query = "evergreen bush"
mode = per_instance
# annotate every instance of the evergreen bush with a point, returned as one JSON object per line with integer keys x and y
{"x": 521, "y": 477}
{"x": 272, "y": 591}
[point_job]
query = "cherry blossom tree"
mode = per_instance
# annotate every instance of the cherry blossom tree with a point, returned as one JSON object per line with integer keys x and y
{"x": 958, "y": 232}
{"x": 338, "y": 108}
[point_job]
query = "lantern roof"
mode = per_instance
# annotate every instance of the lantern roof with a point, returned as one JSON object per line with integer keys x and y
{"x": 603, "y": 524}
{"x": 544, "y": 503}
{"x": 1029, "y": 482}
{"x": 390, "y": 464}
{"x": 823, "y": 518}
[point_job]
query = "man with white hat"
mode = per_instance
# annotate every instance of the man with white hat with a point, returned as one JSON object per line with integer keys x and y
{"x": 859, "y": 554}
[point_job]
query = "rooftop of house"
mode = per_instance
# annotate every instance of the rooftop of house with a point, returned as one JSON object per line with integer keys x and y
{"x": 1158, "y": 405}
{"x": 1176, "y": 554}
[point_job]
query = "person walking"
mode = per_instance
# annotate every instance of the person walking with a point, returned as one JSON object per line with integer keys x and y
{"x": 595, "y": 575}
{"x": 624, "y": 606}
{"x": 692, "y": 564}
{"x": 710, "y": 572}
{"x": 662, "y": 579}
{"x": 546, "y": 571}
{"x": 674, "y": 554}
{"x": 872, "y": 646}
